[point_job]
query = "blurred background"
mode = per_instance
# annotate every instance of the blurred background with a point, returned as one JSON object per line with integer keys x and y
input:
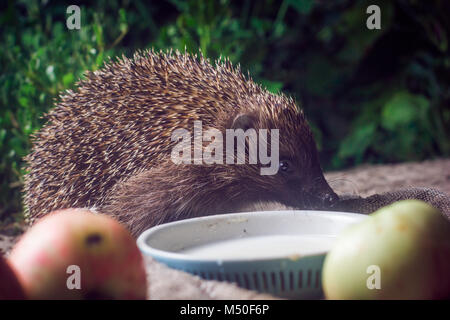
{"x": 371, "y": 96}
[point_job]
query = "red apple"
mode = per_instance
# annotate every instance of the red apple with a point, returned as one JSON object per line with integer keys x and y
{"x": 77, "y": 254}
{"x": 9, "y": 285}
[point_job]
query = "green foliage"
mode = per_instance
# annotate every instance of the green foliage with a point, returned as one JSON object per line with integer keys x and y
{"x": 41, "y": 59}
{"x": 370, "y": 95}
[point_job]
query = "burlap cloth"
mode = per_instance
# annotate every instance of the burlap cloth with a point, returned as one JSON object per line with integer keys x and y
{"x": 363, "y": 190}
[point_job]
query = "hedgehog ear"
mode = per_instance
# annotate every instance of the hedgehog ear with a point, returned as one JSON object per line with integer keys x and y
{"x": 243, "y": 121}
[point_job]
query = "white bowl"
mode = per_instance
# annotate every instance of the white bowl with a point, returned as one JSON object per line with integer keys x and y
{"x": 279, "y": 252}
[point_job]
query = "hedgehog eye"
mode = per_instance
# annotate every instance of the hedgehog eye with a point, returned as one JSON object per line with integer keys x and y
{"x": 285, "y": 166}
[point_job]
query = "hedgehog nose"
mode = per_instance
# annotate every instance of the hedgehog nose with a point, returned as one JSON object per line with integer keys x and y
{"x": 329, "y": 199}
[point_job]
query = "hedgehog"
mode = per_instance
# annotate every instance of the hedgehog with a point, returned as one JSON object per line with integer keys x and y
{"x": 107, "y": 144}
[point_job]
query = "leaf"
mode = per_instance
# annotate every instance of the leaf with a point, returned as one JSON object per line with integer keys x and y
{"x": 123, "y": 26}
{"x": 402, "y": 109}
{"x": 24, "y": 101}
{"x": 302, "y": 6}
{"x": 357, "y": 142}
{"x": 50, "y": 71}
{"x": 68, "y": 79}
{"x": 2, "y": 136}
{"x": 272, "y": 86}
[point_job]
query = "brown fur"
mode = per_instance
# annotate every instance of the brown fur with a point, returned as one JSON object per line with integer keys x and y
{"x": 107, "y": 144}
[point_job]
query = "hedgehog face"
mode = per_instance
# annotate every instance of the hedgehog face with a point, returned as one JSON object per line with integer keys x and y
{"x": 299, "y": 180}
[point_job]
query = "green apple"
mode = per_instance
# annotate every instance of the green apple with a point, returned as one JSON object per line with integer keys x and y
{"x": 401, "y": 251}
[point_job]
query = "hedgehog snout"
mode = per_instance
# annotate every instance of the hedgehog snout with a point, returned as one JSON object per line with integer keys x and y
{"x": 329, "y": 199}
{"x": 320, "y": 195}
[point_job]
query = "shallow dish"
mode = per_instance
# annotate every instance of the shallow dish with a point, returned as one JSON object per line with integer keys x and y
{"x": 252, "y": 249}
